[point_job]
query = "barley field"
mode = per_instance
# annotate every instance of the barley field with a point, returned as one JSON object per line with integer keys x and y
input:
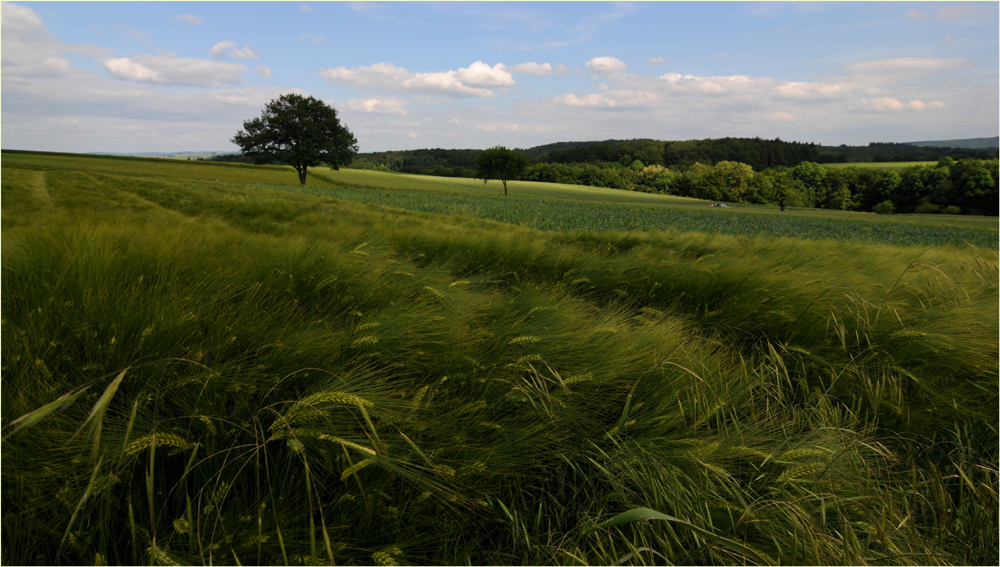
{"x": 207, "y": 364}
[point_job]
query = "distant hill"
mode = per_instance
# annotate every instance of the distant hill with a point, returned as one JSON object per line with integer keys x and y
{"x": 174, "y": 155}
{"x": 537, "y": 151}
{"x": 969, "y": 143}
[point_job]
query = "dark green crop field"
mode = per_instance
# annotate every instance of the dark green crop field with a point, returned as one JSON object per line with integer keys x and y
{"x": 210, "y": 364}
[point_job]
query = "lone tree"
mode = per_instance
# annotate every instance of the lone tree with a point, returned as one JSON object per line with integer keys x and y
{"x": 300, "y": 131}
{"x": 501, "y": 164}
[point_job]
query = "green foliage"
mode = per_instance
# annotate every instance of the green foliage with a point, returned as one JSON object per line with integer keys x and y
{"x": 501, "y": 164}
{"x": 884, "y": 208}
{"x": 199, "y": 372}
{"x": 892, "y": 152}
{"x": 300, "y": 131}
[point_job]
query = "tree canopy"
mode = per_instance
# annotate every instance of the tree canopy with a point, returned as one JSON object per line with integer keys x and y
{"x": 300, "y": 131}
{"x": 501, "y": 164}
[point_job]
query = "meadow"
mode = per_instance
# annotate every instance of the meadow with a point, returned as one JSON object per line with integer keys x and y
{"x": 546, "y": 206}
{"x": 207, "y": 363}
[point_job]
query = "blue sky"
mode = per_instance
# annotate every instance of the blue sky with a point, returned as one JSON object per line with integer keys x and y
{"x": 166, "y": 76}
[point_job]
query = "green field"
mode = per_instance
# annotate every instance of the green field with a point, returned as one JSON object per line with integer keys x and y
{"x": 207, "y": 363}
{"x": 545, "y": 206}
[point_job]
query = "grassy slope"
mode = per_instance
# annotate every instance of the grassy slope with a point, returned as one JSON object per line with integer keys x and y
{"x": 548, "y": 205}
{"x": 309, "y": 379}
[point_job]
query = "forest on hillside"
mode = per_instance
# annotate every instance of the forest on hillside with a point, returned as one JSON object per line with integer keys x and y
{"x": 742, "y": 170}
{"x": 758, "y": 153}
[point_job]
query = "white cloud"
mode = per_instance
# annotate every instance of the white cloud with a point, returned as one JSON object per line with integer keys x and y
{"x": 814, "y": 91}
{"x": 902, "y": 68}
{"x": 384, "y": 76}
{"x": 188, "y": 19}
{"x": 168, "y": 70}
{"x": 28, "y": 49}
{"x": 264, "y": 71}
{"x": 540, "y": 69}
{"x": 373, "y": 105}
{"x": 219, "y": 48}
{"x": 714, "y": 85}
{"x": 916, "y": 14}
{"x": 889, "y": 104}
{"x": 480, "y": 74}
{"x": 498, "y": 127}
{"x": 306, "y": 8}
{"x": 611, "y": 99}
{"x": 657, "y": 61}
{"x": 606, "y": 65}
{"x": 244, "y": 53}
{"x": 465, "y": 82}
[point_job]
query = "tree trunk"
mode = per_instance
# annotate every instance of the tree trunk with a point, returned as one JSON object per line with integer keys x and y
{"x": 504, "y": 187}
{"x": 302, "y": 174}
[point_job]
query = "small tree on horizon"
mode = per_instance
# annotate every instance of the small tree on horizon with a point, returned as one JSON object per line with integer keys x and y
{"x": 300, "y": 131}
{"x": 501, "y": 164}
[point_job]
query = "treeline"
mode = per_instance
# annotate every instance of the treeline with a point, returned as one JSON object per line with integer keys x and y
{"x": 229, "y": 158}
{"x": 437, "y": 161}
{"x": 741, "y": 170}
{"x": 951, "y": 187}
{"x": 885, "y": 152}
{"x": 756, "y": 152}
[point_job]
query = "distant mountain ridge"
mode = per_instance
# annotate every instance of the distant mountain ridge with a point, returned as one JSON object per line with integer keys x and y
{"x": 165, "y": 154}
{"x": 969, "y": 143}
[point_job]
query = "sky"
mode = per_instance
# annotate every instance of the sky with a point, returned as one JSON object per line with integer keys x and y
{"x": 130, "y": 77}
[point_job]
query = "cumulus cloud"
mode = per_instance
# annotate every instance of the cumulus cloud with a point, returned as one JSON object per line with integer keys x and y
{"x": 383, "y": 76}
{"x": 264, "y": 71}
{"x": 244, "y": 53}
{"x": 28, "y": 48}
{"x": 657, "y": 61}
{"x": 471, "y": 81}
{"x": 228, "y": 47}
{"x": 869, "y": 87}
{"x": 174, "y": 71}
{"x": 606, "y": 65}
{"x": 533, "y": 68}
{"x": 814, "y": 91}
{"x": 498, "y": 127}
{"x": 219, "y": 48}
{"x": 373, "y": 105}
{"x": 611, "y": 99}
{"x": 188, "y": 19}
{"x": 889, "y": 104}
{"x": 480, "y": 74}
{"x": 713, "y": 85}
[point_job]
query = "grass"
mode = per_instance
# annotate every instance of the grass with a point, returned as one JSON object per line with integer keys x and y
{"x": 201, "y": 371}
{"x": 544, "y": 206}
